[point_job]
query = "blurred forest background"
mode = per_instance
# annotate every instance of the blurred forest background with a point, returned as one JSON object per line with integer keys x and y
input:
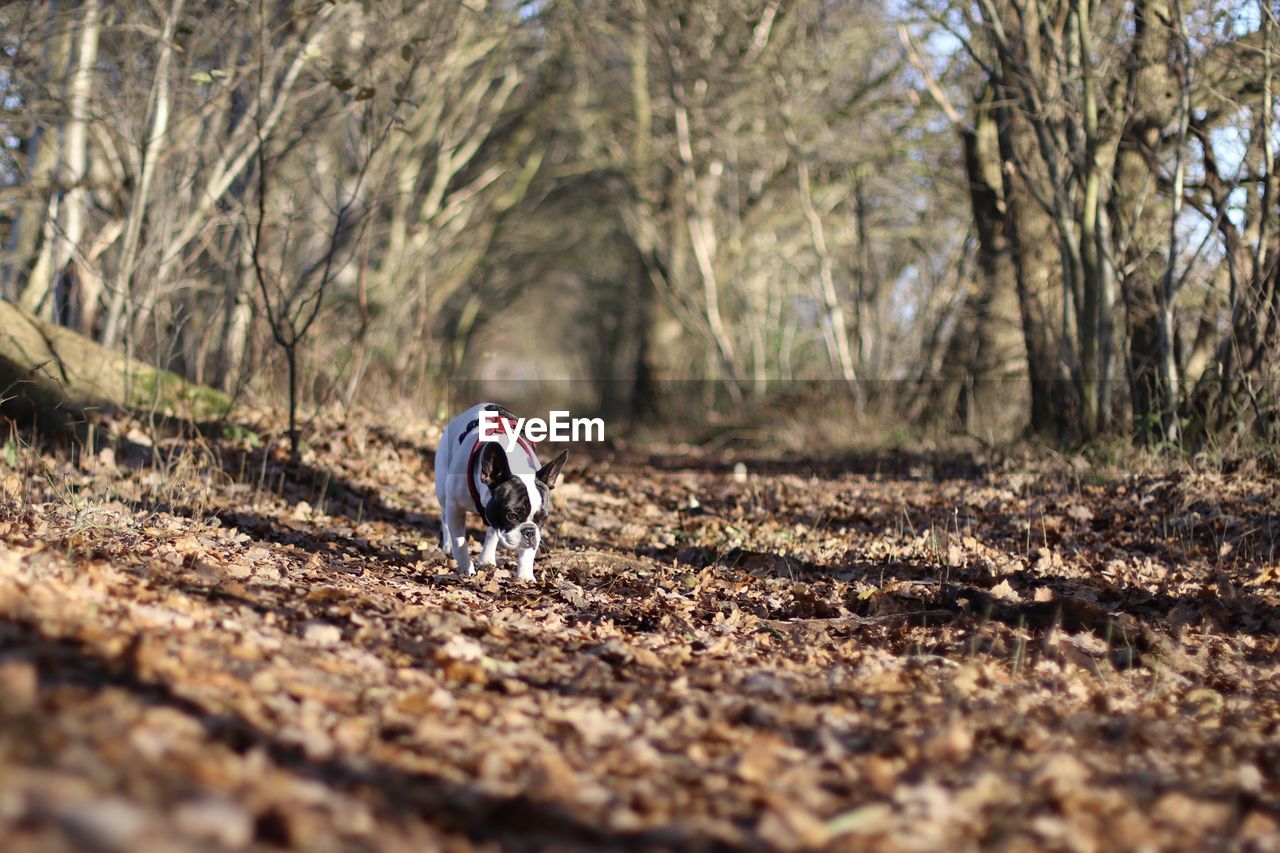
{"x": 1054, "y": 215}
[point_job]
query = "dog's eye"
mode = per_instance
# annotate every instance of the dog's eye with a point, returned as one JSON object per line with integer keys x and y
{"x": 513, "y": 516}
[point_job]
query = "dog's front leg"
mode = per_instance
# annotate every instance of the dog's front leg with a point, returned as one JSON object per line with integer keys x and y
{"x": 456, "y": 522}
{"x": 524, "y": 564}
{"x": 489, "y": 553}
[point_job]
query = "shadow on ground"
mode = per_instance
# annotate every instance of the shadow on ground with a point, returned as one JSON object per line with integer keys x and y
{"x": 516, "y": 822}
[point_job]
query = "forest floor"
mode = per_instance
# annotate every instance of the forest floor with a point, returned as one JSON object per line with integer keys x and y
{"x": 204, "y": 644}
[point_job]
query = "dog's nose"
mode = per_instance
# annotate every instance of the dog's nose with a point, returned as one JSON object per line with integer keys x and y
{"x": 529, "y": 534}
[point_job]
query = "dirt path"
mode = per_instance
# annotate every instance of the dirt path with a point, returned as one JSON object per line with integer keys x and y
{"x": 876, "y": 651}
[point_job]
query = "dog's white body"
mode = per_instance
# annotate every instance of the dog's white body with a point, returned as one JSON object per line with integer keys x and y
{"x": 454, "y": 494}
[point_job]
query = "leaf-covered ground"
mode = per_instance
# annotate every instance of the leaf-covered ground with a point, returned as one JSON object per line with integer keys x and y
{"x": 205, "y": 645}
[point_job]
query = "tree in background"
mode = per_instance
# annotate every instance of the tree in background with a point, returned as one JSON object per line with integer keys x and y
{"x": 1097, "y": 107}
{"x": 749, "y": 147}
{"x": 925, "y": 205}
{"x": 177, "y": 107}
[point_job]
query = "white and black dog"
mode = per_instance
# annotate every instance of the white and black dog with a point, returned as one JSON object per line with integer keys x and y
{"x": 497, "y": 476}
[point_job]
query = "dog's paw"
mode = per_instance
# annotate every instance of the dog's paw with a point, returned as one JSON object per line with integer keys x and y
{"x": 467, "y": 571}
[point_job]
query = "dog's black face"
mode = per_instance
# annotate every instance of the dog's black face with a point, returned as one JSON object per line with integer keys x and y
{"x": 518, "y": 505}
{"x": 510, "y": 512}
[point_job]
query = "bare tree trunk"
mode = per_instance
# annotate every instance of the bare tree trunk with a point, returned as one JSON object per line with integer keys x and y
{"x": 237, "y": 311}
{"x": 1040, "y": 285}
{"x": 31, "y": 243}
{"x": 649, "y": 367}
{"x": 360, "y": 355}
{"x": 1093, "y": 258}
{"x": 152, "y": 149}
{"x": 77, "y": 203}
{"x": 657, "y": 212}
{"x": 867, "y": 294}
{"x": 37, "y": 295}
{"x": 986, "y": 355}
{"x": 1264, "y": 254}
{"x": 702, "y": 240}
{"x": 835, "y": 328}
{"x": 1170, "y": 383}
{"x": 1136, "y": 219}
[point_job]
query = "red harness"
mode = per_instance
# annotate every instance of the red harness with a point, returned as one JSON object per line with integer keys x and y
{"x": 503, "y": 428}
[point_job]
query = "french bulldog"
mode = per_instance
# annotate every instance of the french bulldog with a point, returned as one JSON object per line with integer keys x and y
{"x": 498, "y": 477}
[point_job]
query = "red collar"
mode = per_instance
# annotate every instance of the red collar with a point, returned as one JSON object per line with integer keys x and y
{"x": 500, "y": 431}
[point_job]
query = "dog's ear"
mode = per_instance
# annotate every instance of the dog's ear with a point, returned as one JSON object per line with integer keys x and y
{"x": 548, "y": 473}
{"x": 494, "y": 468}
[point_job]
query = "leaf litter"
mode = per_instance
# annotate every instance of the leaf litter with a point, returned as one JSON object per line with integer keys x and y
{"x": 886, "y": 651}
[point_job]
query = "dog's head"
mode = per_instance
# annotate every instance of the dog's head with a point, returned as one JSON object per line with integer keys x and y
{"x": 518, "y": 503}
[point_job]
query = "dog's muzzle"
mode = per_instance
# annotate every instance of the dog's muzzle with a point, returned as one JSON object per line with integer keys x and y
{"x": 528, "y": 535}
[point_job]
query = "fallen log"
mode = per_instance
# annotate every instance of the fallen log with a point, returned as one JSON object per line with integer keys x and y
{"x": 51, "y": 376}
